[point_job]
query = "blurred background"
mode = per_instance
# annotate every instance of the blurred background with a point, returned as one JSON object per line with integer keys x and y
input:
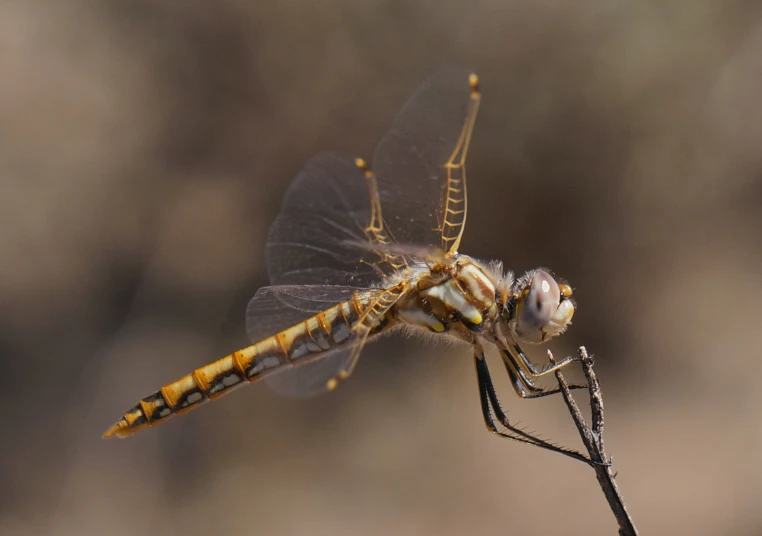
{"x": 145, "y": 147}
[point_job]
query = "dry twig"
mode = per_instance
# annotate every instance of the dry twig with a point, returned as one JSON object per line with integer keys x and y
{"x": 592, "y": 437}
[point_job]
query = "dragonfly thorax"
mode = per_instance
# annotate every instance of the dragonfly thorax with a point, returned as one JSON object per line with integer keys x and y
{"x": 460, "y": 303}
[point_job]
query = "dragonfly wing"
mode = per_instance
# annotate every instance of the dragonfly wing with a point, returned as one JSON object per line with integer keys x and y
{"x": 273, "y": 309}
{"x": 321, "y": 234}
{"x": 342, "y": 224}
{"x": 420, "y": 163}
{"x": 276, "y": 308}
{"x": 339, "y": 218}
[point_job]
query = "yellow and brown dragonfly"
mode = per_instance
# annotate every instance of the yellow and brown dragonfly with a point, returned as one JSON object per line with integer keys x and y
{"x": 361, "y": 250}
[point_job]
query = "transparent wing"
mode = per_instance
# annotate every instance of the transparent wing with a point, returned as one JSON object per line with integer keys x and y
{"x": 338, "y": 218}
{"x": 311, "y": 378}
{"x": 324, "y": 232}
{"x": 420, "y": 163}
{"x": 343, "y": 228}
{"x": 274, "y": 309}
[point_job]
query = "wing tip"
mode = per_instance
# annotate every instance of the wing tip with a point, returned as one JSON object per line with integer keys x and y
{"x": 473, "y": 82}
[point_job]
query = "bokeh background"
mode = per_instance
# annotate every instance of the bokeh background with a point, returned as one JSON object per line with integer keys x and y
{"x": 145, "y": 147}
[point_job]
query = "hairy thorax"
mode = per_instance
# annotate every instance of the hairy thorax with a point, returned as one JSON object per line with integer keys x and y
{"x": 456, "y": 299}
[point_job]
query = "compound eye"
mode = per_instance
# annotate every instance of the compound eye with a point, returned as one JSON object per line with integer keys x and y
{"x": 540, "y": 302}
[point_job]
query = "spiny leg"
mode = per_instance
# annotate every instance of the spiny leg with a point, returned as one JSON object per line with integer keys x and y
{"x": 529, "y": 367}
{"x": 484, "y": 400}
{"x": 488, "y": 399}
{"x": 523, "y": 386}
{"x": 520, "y": 381}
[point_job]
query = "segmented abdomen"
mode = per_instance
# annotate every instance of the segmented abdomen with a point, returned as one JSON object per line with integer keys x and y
{"x": 303, "y": 341}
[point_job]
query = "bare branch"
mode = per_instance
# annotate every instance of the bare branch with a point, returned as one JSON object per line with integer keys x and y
{"x": 592, "y": 437}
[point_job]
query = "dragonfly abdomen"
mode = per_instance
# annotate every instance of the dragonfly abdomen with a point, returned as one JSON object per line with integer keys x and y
{"x": 303, "y": 341}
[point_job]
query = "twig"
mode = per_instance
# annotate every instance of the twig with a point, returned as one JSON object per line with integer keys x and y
{"x": 593, "y": 440}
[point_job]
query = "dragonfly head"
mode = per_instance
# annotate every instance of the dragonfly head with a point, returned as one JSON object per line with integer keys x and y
{"x": 543, "y": 308}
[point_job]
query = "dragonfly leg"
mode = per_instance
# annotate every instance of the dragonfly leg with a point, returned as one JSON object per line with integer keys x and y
{"x": 490, "y": 404}
{"x": 529, "y": 367}
{"x": 523, "y": 386}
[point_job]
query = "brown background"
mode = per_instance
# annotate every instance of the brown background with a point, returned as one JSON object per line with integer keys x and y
{"x": 145, "y": 147}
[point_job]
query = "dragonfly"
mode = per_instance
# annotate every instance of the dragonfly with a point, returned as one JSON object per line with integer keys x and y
{"x": 358, "y": 251}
